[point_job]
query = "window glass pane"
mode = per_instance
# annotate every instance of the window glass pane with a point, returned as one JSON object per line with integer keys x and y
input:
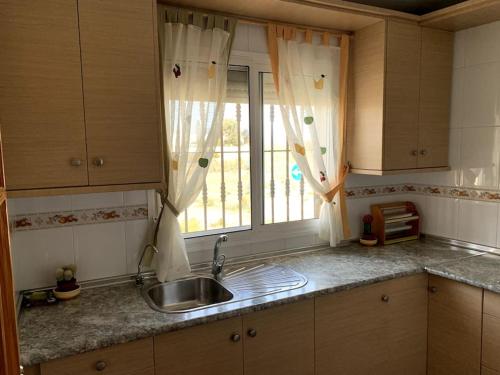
{"x": 225, "y": 199}
{"x": 292, "y": 199}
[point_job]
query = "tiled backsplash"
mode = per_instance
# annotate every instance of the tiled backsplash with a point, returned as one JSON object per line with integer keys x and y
{"x": 101, "y": 233}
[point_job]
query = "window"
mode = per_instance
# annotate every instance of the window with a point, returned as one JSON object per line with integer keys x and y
{"x": 225, "y": 202}
{"x": 286, "y": 195}
{"x": 225, "y": 199}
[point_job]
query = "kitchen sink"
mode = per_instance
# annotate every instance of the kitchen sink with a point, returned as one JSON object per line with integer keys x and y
{"x": 186, "y": 294}
{"x": 199, "y": 292}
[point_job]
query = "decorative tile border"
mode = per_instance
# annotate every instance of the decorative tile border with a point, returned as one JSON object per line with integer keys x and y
{"x": 423, "y": 189}
{"x": 106, "y": 215}
{"x": 79, "y": 217}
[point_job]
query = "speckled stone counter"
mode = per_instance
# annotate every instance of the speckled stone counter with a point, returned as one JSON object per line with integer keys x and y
{"x": 116, "y": 314}
{"x": 482, "y": 271}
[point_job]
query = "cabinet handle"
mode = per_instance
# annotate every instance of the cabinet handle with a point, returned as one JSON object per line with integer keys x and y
{"x": 100, "y": 365}
{"x": 252, "y": 332}
{"x": 414, "y": 152}
{"x": 235, "y": 337}
{"x": 75, "y": 162}
{"x": 385, "y": 298}
{"x": 98, "y": 162}
{"x": 423, "y": 152}
{"x": 433, "y": 289}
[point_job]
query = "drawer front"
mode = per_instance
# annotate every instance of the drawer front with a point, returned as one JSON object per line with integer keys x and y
{"x": 134, "y": 358}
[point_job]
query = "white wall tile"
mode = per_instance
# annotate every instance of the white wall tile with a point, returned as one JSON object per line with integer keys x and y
{"x": 136, "y": 197}
{"x": 100, "y": 250}
{"x": 480, "y": 157}
{"x": 477, "y": 222}
{"x": 481, "y": 95}
{"x": 457, "y": 98}
{"x": 97, "y": 200}
{"x": 37, "y": 254}
{"x": 19, "y": 206}
{"x": 481, "y": 44}
{"x": 137, "y": 235}
{"x": 441, "y": 217}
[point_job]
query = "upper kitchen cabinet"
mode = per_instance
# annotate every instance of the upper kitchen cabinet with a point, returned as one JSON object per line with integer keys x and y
{"x": 41, "y": 100}
{"x": 398, "y": 109}
{"x": 79, "y": 95}
{"x": 120, "y": 91}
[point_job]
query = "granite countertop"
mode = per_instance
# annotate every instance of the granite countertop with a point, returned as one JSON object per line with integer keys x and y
{"x": 111, "y": 315}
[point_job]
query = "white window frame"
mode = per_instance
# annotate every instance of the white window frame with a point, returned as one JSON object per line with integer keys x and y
{"x": 260, "y": 237}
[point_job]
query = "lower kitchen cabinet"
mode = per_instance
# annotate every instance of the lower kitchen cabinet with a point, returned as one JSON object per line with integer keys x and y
{"x": 133, "y": 358}
{"x": 491, "y": 334}
{"x": 280, "y": 340}
{"x": 214, "y": 348}
{"x": 376, "y": 329}
{"x": 454, "y": 336}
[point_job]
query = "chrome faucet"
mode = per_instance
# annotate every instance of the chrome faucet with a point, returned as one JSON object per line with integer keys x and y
{"x": 218, "y": 260}
{"x": 139, "y": 278}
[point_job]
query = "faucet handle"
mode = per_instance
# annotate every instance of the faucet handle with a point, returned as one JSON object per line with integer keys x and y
{"x": 219, "y": 262}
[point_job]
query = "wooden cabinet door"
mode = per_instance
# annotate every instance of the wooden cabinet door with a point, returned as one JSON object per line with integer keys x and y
{"x": 377, "y": 329}
{"x": 402, "y": 71}
{"x": 41, "y": 102}
{"x": 454, "y": 334}
{"x": 491, "y": 332}
{"x": 280, "y": 341}
{"x": 120, "y": 85}
{"x": 207, "y": 349}
{"x": 9, "y": 353}
{"x": 435, "y": 91}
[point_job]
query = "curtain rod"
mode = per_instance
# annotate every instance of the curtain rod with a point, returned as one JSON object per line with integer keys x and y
{"x": 261, "y": 21}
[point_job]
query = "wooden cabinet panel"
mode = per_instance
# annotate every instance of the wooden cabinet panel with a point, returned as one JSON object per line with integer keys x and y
{"x": 364, "y": 140}
{"x": 41, "y": 102}
{"x": 401, "y": 95}
{"x": 120, "y": 87}
{"x": 454, "y": 343}
{"x": 435, "y": 92}
{"x": 389, "y": 336}
{"x": 491, "y": 331}
{"x": 203, "y": 350}
{"x": 284, "y": 340}
{"x": 133, "y": 358}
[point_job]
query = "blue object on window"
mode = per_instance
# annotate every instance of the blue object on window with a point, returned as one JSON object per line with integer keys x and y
{"x": 296, "y": 173}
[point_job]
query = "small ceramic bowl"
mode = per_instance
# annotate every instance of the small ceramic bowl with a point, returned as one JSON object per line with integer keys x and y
{"x": 67, "y": 295}
{"x": 368, "y": 242}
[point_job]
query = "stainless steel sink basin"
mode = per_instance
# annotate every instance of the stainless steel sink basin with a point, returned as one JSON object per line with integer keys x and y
{"x": 186, "y": 294}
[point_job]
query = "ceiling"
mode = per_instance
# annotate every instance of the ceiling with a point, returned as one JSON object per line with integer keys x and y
{"x": 417, "y": 7}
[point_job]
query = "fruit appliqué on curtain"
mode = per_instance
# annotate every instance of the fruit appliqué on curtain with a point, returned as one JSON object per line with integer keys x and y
{"x": 319, "y": 83}
{"x": 175, "y": 165}
{"x": 308, "y": 120}
{"x": 300, "y": 149}
{"x": 211, "y": 70}
{"x": 322, "y": 176}
{"x": 203, "y": 162}
{"x": 177, "y": 70}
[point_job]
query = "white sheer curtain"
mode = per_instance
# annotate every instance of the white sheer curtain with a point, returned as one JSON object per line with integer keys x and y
{"x": 194, "y": 63}
{"x": 308, "y": 84}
